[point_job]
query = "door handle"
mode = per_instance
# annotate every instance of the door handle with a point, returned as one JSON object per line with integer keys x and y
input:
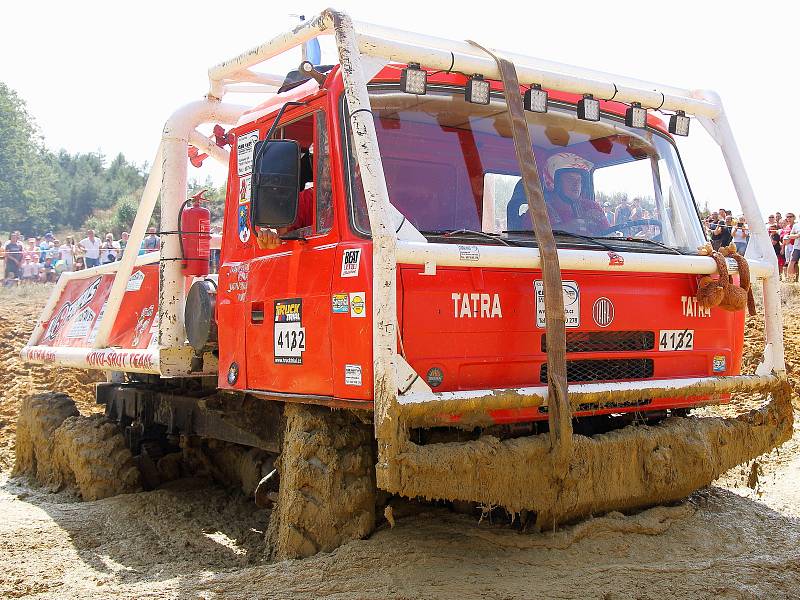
{"x": 256, "y": 312}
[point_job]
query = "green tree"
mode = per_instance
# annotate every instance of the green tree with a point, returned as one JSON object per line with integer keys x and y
{"x": 26, "y": 175}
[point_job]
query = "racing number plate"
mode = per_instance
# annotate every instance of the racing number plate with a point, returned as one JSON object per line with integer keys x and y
{"x": 676, "y": 339}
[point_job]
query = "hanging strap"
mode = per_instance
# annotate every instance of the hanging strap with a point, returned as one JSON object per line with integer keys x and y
{"x": 558, "y": 414}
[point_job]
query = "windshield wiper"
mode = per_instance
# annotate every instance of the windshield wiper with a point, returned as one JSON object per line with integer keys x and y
{"x": 646, "y": 241}
{"x": 450, "y": 233}
{"x": 562, "y": 233}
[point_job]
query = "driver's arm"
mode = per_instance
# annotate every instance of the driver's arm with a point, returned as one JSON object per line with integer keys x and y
{"x": 269, "y": 239}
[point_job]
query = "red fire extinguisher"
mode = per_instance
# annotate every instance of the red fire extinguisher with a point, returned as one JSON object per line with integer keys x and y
{"x": 195, "y": 236}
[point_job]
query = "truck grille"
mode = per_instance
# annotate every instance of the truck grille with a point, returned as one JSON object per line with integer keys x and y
{"x": 604, "y": 370}
{"x": 607, "y": 341}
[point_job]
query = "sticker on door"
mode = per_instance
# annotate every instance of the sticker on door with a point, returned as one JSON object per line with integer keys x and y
{"x": 290, "y": 335}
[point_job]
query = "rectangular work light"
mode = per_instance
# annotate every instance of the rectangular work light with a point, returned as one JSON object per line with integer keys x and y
{"x": 588, "y": 108}
{"x": 413, "y": 80}
{"x": 636, "y": 116}
{"x": 477, "y": 90}
{"x": 679, "y": 124}
{"x": 535, "y": 99}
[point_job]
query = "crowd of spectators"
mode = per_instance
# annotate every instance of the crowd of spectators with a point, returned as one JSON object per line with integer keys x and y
{"x": 784, "y": 232}
{"x": 44, "y": 258}
{"x": 722, "y": 229}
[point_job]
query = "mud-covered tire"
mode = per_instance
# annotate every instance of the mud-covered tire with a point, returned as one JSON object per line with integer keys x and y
{"x": 40, "y": 415}
{"x": 91, "y": 451}
{"x": 327, "y": 488}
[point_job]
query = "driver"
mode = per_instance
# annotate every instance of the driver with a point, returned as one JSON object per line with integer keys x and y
{"x": 567, "y": 189}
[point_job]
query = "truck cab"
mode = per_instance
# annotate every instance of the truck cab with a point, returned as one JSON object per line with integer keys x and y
{"x": 296, "y": 320}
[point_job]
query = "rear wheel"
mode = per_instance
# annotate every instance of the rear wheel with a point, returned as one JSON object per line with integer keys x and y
{"x": 62, "y": 449}
{"x": 91, "y": 451}
{"x": 327, "y": 487}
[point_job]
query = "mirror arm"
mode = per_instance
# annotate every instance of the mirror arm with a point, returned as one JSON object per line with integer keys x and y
{"x": 273, "y": 126}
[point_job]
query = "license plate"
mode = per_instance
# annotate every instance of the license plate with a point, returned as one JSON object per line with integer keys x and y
{"x": 676, "y": 339}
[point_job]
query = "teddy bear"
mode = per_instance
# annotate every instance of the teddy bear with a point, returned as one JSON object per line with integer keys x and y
{"x": 744, "y": 275}
{"x": 722, "y": 292}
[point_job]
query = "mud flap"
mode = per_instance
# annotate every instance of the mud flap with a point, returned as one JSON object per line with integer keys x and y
{"x": 633, "y": 467}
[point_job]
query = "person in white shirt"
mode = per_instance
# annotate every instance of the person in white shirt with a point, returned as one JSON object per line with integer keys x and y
{"x": 91, "y": 247}
{"x": 30, "y": 269}
{"x": 67, "y": 253}
{"x": 109, "y": 250}
{"x": 740, "y": 235}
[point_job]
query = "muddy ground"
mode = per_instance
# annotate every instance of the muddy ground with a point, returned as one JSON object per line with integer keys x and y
{"x": 192, "y": 539}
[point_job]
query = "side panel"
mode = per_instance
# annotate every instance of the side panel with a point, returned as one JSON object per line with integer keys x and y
{"x": 351, "y": 308}
{"x": 78, "y": 313}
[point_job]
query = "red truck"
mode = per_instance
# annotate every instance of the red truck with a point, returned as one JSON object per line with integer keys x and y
{"x": 379, "y": 319}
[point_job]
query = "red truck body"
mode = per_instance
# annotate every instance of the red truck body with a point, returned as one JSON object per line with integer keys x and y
{"x": 467, "y": 328}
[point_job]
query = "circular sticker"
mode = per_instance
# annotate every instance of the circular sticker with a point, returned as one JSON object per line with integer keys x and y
{"x": 434, "y": 377}
{"x": 357, "y": 305}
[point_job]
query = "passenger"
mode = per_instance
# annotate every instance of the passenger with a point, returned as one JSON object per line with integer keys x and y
{"x": 567, "y": 188}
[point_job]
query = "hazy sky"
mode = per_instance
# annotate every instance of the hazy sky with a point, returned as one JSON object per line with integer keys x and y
{"x": 106, "y": 75}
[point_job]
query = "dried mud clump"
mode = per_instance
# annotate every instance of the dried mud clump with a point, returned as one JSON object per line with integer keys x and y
{"x": 40, "y": 416}
{"x": 630, "y": 468}
{"x": 63, "y": 450}
{"x": 327, "y": 490}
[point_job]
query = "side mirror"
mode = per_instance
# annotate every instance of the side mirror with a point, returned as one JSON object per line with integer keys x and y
{"x": 276, "y": 183}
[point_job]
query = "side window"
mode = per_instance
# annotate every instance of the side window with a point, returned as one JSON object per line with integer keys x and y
{"x": 322, "y": 169}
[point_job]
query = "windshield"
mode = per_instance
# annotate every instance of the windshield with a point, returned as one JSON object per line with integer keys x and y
{"x": 450, "y": 166}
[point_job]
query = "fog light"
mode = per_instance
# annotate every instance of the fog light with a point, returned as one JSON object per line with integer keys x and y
{"x": 636, "y": 116}
{"x": 589, "y": 108}
{"x": 679, "y": 124}
{"x": 535, "y": 99}
{"x": 413, "y": 80}
{"x": 477, "y": 90}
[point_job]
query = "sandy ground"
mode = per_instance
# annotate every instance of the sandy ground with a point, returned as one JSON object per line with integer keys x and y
{"x": 194, "y": 540}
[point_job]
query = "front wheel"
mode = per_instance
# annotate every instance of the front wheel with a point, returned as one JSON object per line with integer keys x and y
{"x": 326, "y": 495}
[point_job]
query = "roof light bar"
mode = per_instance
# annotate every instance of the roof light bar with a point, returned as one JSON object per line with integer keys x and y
{"x": 636, "y": 116}
{"x": 679, "y": 124}
{"x": 477, "y": 90}
{"x": 414, "y": 80}
{"x": 535, "y": 99}
{"x": 589, "y": 108}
